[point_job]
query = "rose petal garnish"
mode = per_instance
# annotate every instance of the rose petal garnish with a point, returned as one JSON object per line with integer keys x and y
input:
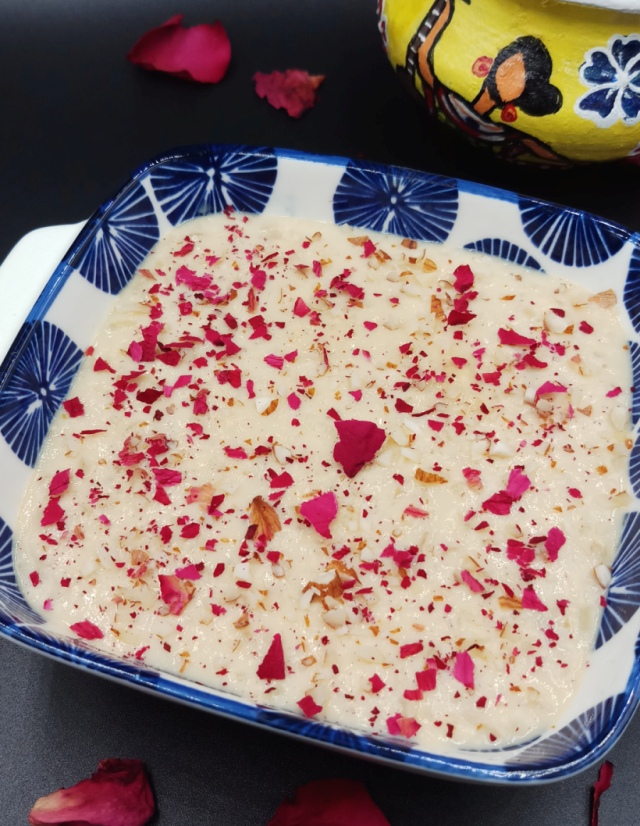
{"x": 74, "y": 407}
{"x": 471, "y": 581}
{"x": 463, "y": 669}
{"x": 358, "y": 443}
{"x": 514, "y": 339}
{"x": 599, "y": 788}
{"x": 499, "y": 504}
{"x": 88, "y": 631}
{"x": 59, "y": 483}
{"x": 321, "y": 511}
{"x": 554, "y": 541}
{"x": 117, "y": 794}
{"x": 175, "y": 592}
{"x": 549, "y": 387}
{"x": 329, "y": 803}
{"x": 264, "y": 517}
{"x": 531, "y": 600}
{"x": 272, "y": 666}
{"x": 308, "y": 706}
{"x": 200, "y": 53}
{"x": 517, "y": 484}
{"x": 463, "y": 278}
{"x": 377, "y": 684}
{"x": 404, "y": 726}
{"x": 293, "y": 90}
{"x": 188, "y": 572}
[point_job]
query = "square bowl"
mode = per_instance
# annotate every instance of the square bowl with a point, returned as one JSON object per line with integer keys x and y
{"x": 193, "y": 181}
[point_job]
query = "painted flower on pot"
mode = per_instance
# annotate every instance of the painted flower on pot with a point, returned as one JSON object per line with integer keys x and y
{"x": 613, "y": 75}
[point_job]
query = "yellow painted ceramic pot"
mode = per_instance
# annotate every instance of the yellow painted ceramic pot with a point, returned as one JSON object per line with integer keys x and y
{"x": 535, "y": 80}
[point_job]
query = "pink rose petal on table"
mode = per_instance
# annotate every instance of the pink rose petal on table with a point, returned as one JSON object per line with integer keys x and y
{"x": 320, "y": 511}
{"x": 201, "y": 53}
{"x": 358, "y": 443}
{"x": 599, "y": 788}
{"x": 117, "y": 794}
{"x": 332, "y": 802}
{"x": 87, "y": 630}
{"x": 293, "y": 90}
{"x": 175, "y": 592}
{"x": 463, "y": 669}
{"x": 272, "y": 666}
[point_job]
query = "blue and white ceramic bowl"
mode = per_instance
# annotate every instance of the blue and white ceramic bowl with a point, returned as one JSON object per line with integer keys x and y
{"x": 43, "y": 359}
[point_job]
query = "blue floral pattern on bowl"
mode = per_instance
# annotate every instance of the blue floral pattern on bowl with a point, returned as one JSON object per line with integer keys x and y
{"x": 214, "y": 181}
{"x": 505, "y": 250}
{"x": 36, "y": 375}
{"x": 123, "y": 240}
{"x": 396, "y": 201}
{"x": 567, "y": 236}
{"x": 36, "y": 386}
{"x": 612, "y": 73}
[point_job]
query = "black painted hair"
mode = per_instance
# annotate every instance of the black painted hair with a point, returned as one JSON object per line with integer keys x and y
{"x": 539, "y": 97}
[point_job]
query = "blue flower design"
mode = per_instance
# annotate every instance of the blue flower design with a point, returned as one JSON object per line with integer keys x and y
{"x": 577, "y": 739}
{"x": 123, "y": 239}
{"x": 45, "y": 361}
{"x": 631, "y": 294}
{"x": 12, "y": 602}
{"x": 568, "y": 237}
{"x": 623, "y": 594}
{"x": 634, "y": 351}
{"x": 423, "y": 207}
{"x": 613, "y": 73}
{"x": 505, "y": 250}
{"x": 217, "y": 179}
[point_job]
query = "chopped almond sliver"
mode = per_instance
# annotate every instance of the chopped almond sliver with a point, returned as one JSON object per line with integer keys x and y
{"x": 428, "y": 478}
{"x": 436, "y": 308}
{"x": 606, "y": 299}
{"x": 264, "y": 517}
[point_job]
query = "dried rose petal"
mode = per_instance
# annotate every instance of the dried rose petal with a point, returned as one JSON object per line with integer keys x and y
{"x": 554, "y": 541}
{"x": 514, "y": 339}
{"x": 321, "y": 511}
{"x": 463, "y": 278}
{"x": 87, "y": 630}
{"x": 329, "y": 803}
{"x": 463, "y": 669}
{"x": 74, "y": 407}
{"x": 117, "y": 794}
{"x": 201, "y": 53}
{"x": 358, "y": 442}
{"x": 531, "y": 600}
{"x": 308, "y": 706}
{"x": 59, "y": 483}
{"x": 293, "y": 90}
{"x": 599, "y": 788}
{"x": 272, "y": 666}
{"x": 175, "y": 592}
{"x": 517, "y": 484}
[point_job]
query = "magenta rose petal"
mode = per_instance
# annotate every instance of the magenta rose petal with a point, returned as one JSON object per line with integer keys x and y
{"x": 117, "y": 794}
{"x": 87, "y": 630}
{"x": 329, "y": 803}
{"x": 358, "y": 443}
{"x": 599, "y": 788}
{"x": 320, "y": 512}
{"x": 272, "y": 666}
{"x": 200, "y": 53}
{"x": 293, "y": 90}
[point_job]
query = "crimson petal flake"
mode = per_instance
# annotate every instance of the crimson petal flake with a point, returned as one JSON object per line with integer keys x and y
{"x": 272, "y": 666}
{"x": 321, "y": 511}
{"x": 599, "y": 788}
{"x": 332, "y": 802}
{"x": 293, "y": 90}
{"x": 200, "y": 53}
{"x": 358, "y": 443}
{"x": 117, "y": 794}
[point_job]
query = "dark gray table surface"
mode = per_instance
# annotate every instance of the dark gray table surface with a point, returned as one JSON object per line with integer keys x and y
{"x": 75, "y": 120}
